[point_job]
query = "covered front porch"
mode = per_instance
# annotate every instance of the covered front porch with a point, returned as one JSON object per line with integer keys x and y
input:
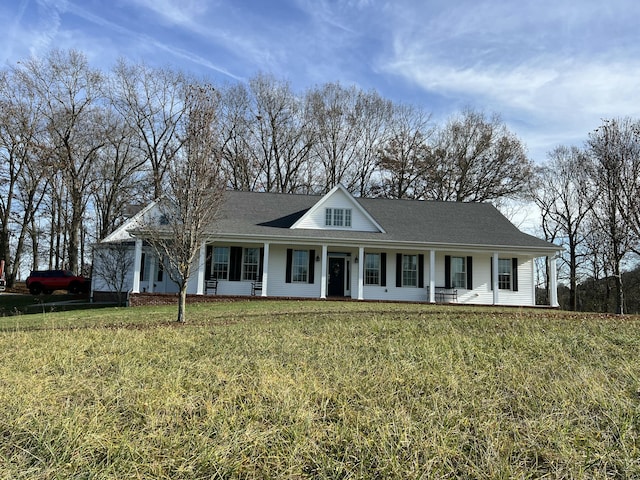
{"x": 362, "y": 272}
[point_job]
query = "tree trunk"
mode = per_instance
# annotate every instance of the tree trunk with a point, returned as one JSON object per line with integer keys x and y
{"x": 573, "y": 277}
{"x": 182, "y": 303}
{"x": 74, "y": 237}
{"x": 619, "y": 290}
{"x": 5, "y": 253}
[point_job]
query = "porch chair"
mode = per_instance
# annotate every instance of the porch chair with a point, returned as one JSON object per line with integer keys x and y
{"x": 256, "y": 287}
{"x": 211, "y": 285}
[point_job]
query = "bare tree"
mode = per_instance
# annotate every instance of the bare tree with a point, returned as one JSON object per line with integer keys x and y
{"x": 281, "y": 135}
{"x": 565, "y": 194}
{"x": 337, "y": 129}
{"x": 474, "y": 158}
{"x": 599, "y": 267}
{"x": 119, "y": 172}
{"x": 150, "y": 101}
{"x": 613, "y": 148}
{"x": 375, "y": 113}
{"x": 401, "y": 158}
{"x": 111, "y": 264}
{"x": 241, "y": 163}
{"x": 71, "y": 95}
{"x": 629, "y": 152}
{"x": 194, "y": 190}
{"x": 21, "y": 174}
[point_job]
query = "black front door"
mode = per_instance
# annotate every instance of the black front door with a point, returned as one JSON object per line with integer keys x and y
{"x": 336, "y": 277}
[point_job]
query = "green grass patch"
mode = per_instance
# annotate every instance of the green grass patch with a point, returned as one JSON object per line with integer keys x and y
{"x": 268, "y": 389}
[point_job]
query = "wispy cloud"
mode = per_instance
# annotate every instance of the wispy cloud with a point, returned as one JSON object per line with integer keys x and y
{"x": 187, "y": 14}
{"x": 28, "y": 35}
{"x": 552, "y": 68}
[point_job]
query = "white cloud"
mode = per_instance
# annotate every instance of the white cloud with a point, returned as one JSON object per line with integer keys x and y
{"x": 185, "y": 13}
{"x": 553, "y": 70}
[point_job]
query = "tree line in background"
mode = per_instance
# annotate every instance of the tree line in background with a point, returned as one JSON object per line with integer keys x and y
{"x": 80, "y": 147}
{"x": 590, "y": 203}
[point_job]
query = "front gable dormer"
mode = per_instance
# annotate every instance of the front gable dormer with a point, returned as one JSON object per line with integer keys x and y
{"x": 338, "y": 210}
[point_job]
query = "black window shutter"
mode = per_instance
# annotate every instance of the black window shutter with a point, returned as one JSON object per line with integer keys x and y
{"x": 491, "y": 279}
{"x": 383, "y": 269}
{"x": 398, "y": 269}
{"x": 469, "y": 273}
{"x": 514, "y": 274}
{"x": 447, "y": 271}
{"x": 142, "y": 262}
{"x": 207, "y": 262}
{"x": 261, "y": 267}
{"x": 289, "y": 262}
{"x": 235, "y": 269}
{"x": 312, "y": 263}
{"x": 420, "y": 271}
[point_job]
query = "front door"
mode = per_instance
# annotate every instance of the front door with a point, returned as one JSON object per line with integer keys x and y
{"x": 336, "y": 277}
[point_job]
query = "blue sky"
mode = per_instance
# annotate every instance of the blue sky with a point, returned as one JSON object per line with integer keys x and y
{"x": 551, "y": 69}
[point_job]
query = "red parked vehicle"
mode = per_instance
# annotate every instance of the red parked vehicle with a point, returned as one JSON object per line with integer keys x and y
{"x": 46, "y": 281}
{"x": 3, "y": 283}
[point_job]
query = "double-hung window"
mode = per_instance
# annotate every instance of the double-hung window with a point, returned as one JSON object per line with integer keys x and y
{"x": 250, "y": 263}
{"x": 300, "y": 266}
{"x": 372, "y": 269}
{"x": 220, "y": 263}
{"x": 458, "y": 272}
{"x": 409, "y": 270}
{"x": 504, "y": 273}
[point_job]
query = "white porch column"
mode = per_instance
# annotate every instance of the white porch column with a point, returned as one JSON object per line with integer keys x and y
{"x": 323, "y": 274}
{"x": 361, "y": 260}
{"x": 494, "y": 278}
{"x": 533, "y": 284}
{"x": 152, "y": 273}
{"x": 202, "y": 262}
{"x": 265, "y": 270}
{"x": 553, "y": 287}
{"x": 432, "y": 276}
{"x": 137, "y": 260}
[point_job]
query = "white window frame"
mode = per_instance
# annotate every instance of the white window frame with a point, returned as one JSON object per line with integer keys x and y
{"x": 406, "y": 271}
{"x": 505, "y": 274}
{"x": 328, "y": 216}
{"x": 461, "y": 280}
{"x": 337, "y": 217}
{"x": 220, "y": 260}
{"x": 300, "y": 266}
{"x": 374, "y": 268}
{"x": 249, "y": 274}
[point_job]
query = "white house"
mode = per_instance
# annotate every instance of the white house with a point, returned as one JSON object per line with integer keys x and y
{"x": 337, "y": 245}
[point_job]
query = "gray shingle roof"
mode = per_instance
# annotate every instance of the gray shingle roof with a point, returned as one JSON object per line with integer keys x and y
{"x": 405, "y": 221}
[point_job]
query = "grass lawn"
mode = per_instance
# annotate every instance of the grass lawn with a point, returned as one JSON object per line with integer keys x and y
{"x": 268, "y": 389}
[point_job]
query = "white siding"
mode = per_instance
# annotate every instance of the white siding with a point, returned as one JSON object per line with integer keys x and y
{"x": 277, "y": 275}
{"x": 225, "y": 287}
{"x": 393, "y": 293}
{"x": 316, "y": 218}
{"x": 482, "y": 292}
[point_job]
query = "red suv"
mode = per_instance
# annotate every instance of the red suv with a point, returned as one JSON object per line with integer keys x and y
{"x": 46, "y": 281}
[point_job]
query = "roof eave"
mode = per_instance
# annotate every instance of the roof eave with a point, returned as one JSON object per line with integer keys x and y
{"x": 299, "y": 240}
